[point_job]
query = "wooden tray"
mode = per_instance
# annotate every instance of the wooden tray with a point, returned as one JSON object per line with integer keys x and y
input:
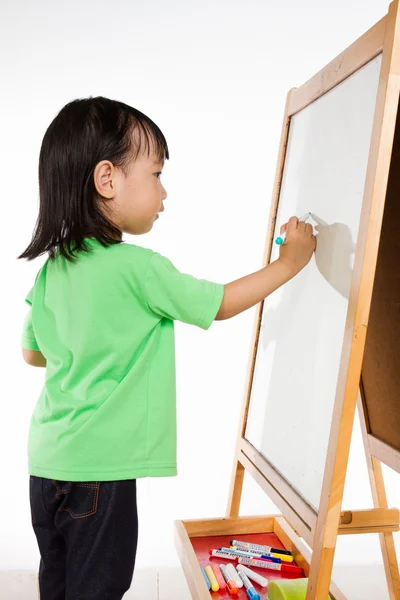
{"x": 194, "y": 539}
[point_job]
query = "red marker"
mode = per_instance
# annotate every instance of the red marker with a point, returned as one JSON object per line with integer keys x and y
{"x": 265, "y": 564}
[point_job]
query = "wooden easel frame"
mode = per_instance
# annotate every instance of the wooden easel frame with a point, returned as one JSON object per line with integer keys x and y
{"x": 320, "y": 529}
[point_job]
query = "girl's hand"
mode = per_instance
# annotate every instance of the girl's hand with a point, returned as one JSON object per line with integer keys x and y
{"x": 299, "y": 246}
{"x": 247, "y": 291}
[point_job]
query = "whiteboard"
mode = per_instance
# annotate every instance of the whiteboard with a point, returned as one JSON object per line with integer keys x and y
{"x": 302, "y": 325}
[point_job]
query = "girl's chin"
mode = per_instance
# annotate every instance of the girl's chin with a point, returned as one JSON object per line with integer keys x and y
{"x": 146, "y": 227}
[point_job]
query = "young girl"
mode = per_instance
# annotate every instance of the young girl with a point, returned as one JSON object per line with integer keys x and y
{"x": 101, "y": 321}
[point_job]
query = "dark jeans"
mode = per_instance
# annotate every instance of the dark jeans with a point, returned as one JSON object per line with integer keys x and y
{"x": 87, "y": 536}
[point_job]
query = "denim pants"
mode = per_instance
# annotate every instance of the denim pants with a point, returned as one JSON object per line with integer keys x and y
{"x": 87, "y": 536}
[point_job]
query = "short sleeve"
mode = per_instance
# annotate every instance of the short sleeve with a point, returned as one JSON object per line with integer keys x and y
{"x": 177, "y": 296}
{"x": 28, "y": 340}
{"x": 29, "y": 297}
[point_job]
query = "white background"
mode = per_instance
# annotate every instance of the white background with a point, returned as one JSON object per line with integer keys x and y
{"x": 213, "y": 75}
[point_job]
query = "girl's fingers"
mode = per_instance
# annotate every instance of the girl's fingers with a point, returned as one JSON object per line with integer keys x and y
{"x": 292, "y": 224}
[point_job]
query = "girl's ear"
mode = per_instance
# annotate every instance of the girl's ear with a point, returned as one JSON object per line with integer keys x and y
{"x": 104, "y": 179}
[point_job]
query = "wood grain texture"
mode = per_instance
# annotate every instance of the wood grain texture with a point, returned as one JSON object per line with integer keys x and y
{"x": 359, "y": 307}
{"x": 348, "y": 62}
{"x": 377, "y": 483}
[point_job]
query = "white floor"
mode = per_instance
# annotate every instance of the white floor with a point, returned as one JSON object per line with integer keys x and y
{"x": 356, "y": 582}
{"x": 147, "y": 585}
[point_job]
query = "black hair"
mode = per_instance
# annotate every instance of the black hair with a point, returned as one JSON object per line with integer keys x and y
{"x": 85, "y": 132}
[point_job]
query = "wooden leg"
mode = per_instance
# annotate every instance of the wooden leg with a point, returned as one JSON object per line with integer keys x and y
{"x": 380, "y": 501}
{"x": 235, "y": 491}
{"x": 320, "y": 574}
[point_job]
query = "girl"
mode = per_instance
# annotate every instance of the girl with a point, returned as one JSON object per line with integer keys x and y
{"x": 101, "y": 321}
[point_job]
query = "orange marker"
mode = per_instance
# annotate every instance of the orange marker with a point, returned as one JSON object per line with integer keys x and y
{"x": 230, "y": 584}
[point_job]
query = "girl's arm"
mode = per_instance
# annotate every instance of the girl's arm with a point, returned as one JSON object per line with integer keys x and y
{"x": 248, "y": 291}
{"x": 34, "y": 358}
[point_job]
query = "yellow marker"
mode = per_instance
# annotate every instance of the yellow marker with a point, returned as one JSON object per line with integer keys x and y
{"x": 255, "y": 554}
{"x": 283, "y": 557}
{"x": 211, "y": 577}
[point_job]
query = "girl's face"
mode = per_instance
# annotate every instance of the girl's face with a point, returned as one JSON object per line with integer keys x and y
{"x": 132, "y": 202}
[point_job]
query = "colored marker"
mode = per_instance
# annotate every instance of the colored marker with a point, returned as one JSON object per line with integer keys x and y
{"x": 258, "y": 548}
{"x": 225, "y": 555}
{"x": 219, "y": 577}
{"x": 281, "y": 239}
{"x": 231, "y": 586}
{"x": 277, "y": 557}
{"x": 250, "y": 589}
{"x": 266, "y": 564}
{"x": 211, "y": 577}
{"x": 270, "y": 557}
{"x": 206, "y": 578}
{"x": 234, "y": 575}
{"x": 253, "y": 575}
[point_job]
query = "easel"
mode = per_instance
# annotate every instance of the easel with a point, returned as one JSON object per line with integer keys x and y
{"x": 319, "y": 529}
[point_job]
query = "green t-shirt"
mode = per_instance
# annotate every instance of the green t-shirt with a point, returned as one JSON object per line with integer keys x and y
{"x": 105, "y": 325}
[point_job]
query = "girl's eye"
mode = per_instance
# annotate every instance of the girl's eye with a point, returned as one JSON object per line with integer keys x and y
{"x": 159, "y": 174}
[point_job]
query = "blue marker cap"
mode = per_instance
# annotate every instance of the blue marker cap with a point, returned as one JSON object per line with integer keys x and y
{"x": 271, "y": 559}
{"x": 252, "y": 594}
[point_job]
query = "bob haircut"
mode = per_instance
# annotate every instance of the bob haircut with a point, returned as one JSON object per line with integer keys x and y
{"x": 85, "y": 132}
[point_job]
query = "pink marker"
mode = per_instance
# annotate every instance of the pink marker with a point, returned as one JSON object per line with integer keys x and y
{"x": 219, "y": 577}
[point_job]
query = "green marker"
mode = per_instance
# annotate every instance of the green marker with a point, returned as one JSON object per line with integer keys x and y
{"x": 281, "y": 239}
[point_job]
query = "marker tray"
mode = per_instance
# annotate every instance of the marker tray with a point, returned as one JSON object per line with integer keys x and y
{"x": 194, "y": 539}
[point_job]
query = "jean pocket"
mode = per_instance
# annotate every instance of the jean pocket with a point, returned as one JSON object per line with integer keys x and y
{"x": 80, "y": 500}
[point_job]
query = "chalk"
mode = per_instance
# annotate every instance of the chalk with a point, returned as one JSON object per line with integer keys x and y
{"x": 253, "y": 575}
{"x": 211, "y": 576}
{"x": 206, "y": 578}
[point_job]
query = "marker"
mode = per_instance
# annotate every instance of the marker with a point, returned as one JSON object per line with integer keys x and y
{"x": 211, "y": 577}
{"x": 206, "y": 578}
{"x": 253, "y": 575}
{"x": 318, "y": 220}
{"x": 277, "y": 557}
{"x": 219, "y": 577}
{"x": 281, "y": 239}
{"x": 232, "y": 589}
{"x": 266, "y": 564}
{"x": 270, "y": 557}
{"x": 258, "y": 548}
{"x": 225, "y": 555}
{"x": 234, "y": 575}
{"x": 267, "y": 556}
{"x": 250, "y": 589}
